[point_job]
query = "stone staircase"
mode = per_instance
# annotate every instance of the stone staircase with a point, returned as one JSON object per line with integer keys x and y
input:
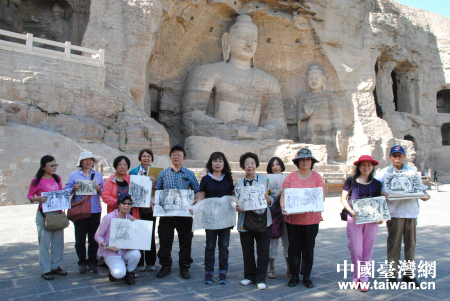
{"x": 328, "y": 172}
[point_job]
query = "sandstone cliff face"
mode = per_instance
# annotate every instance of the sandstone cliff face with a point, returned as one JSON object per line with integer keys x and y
{"x": 363, "y": 47}
{"x": 387, "y": 69}
{"x": 22, "y": 146}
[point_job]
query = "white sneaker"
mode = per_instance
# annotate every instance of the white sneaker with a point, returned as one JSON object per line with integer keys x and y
{"x": 151, "y": 268}
{"x": 141, "y": 268}
{"x": 261, "y": 286}
{"x": 246, "y": 282}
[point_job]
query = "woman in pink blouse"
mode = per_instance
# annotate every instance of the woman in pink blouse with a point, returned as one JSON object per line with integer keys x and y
{"x": 51, "y": 243}
{"x": 302, "y": 228}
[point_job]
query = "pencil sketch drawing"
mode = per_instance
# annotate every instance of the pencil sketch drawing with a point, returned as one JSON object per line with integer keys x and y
{"x": 370, "y": 210}
{"x": 403, "y": 183}
{"x": 87, "y": 187}
{"x": 276, "y": 181}
{"x": 300, "y": 200}
{"x": 173, "y": 202}
{"x": 122, "y": 231}
{"x": 251, "y": 197}
{"x": 215, "y": 213}
{"x": 141, "y": 191}
{"x": 128, "y": 234}
{"x": 56, "y": 200}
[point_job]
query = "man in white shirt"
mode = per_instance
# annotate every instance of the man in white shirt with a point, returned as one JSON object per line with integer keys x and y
{"x": 404, "y": 213}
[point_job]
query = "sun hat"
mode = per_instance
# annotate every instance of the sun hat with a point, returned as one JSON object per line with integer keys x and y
{"x": 86, "y": 155}
{"x": 304, "y": 153}
{"x": 397, "y": 149}
{"x": 365, "y": 158}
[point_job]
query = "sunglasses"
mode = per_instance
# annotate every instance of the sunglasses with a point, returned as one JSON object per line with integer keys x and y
{"x": 127, "y": 204}
{"x": 396, "y": 155}
{"x": 53, "y": 165}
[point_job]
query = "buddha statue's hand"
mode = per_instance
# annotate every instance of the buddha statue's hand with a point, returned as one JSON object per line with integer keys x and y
{"x": 243, "y": 134}
{"x": 305, "y": 111}
{"x": 260, "y": 134}
{"x": 309, "y": 110}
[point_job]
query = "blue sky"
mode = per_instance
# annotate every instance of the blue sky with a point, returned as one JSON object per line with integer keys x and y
{"x": 441, "y": 7}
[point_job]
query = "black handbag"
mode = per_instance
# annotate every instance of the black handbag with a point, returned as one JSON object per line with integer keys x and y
{"x": 344, "y": 214}
{"x": 255, "y": 222}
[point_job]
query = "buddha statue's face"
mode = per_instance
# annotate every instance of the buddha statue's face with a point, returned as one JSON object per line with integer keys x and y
{"x": 315, "y": 80}
{"x": 243, "y": 42}
{"x": 58, "y": 14}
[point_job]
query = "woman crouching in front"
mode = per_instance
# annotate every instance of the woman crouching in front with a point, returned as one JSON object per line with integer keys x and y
{"x": 121, "y": 263}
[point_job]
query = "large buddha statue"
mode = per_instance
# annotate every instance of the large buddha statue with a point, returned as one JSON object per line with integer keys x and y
{"x": 233, "y": 99}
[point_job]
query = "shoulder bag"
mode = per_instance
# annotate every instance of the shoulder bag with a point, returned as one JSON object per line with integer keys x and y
{"x": 344, "y": 212}
{"x": 277, "y": 219}
{"x": 255, "y": 222}
{"x": 55, "y": 221}
{"x": 81, "y": 209}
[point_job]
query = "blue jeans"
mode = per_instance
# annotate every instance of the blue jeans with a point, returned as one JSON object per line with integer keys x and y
{"x": 224, "y": 242}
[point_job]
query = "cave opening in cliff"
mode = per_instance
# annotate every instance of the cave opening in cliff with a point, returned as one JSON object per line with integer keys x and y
{"x": 410, "y": 138}
{"x": 155, "y": 93}
{"x": 404, "y": 88}
{"x": 443, "y": 101}
{"x": 375, "y": 96}
{"x": 445, "y": 131}
{"x": 394, "y": 89}
{"x": 56, "y": 20}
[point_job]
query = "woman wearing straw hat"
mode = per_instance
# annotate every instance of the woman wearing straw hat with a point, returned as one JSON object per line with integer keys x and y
{"x": 89, "y": 225}
{"x": 302, "y": 228}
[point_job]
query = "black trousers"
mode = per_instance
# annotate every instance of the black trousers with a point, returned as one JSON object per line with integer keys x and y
{"x": 148, "y": 256}
{"x": 256, "y": 271}
{"x": 166, "y": 228}
{"x": 302, "y": 239}
{"x": 87, "y": 226}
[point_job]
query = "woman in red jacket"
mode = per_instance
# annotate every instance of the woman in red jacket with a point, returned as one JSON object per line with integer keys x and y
{"x": 118, "y": 184}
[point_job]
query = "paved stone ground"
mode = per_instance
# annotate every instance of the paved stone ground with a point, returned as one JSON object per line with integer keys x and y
{"x": 20, "y": 276}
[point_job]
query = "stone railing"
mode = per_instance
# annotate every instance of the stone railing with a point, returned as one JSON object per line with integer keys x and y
{"x": 39, "y": 47}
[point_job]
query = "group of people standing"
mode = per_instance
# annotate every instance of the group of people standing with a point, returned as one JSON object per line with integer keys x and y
{"x": 297, "y": 231}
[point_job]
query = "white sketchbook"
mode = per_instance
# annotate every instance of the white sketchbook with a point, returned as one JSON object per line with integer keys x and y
{"x": 370, "y": 210}
{"x": 276, "y": 182}
{"x": 87, "y": 187}
{"x": 301, "y": 200}
{"x": 56, "y": 200}
{"x": 404, "y": 185}
{"x": 173, "y": 202}
{"x": 215, "y": 213}
{"x": 131, "y": 235}
{"x": 141, "y": 191}
{"x": 251, "y": 197}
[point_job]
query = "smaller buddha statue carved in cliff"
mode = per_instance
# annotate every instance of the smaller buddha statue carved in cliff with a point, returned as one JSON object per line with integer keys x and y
{"x": 320, "y": 114}
{"x": 60, "y": 29}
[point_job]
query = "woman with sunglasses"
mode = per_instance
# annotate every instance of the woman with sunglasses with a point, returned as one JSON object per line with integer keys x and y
{"x": 121, "y": 263}
{"x": 51, "y": 243}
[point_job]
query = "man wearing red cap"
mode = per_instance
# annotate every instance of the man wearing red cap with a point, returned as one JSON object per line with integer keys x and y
{"x": 404, "y": 213}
